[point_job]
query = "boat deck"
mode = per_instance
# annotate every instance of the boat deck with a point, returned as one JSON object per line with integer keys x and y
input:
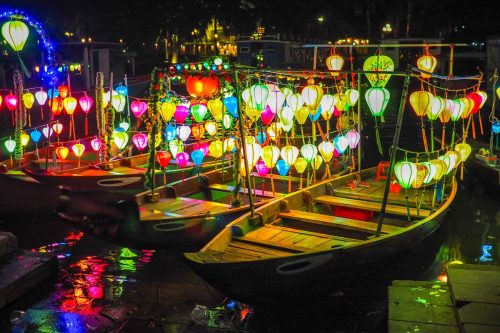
{"x": 181, "y": 206}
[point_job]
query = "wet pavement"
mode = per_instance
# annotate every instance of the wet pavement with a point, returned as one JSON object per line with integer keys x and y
{"x": 103, "y": 287}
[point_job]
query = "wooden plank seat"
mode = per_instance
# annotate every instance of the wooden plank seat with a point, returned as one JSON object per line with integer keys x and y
{"x": 276, "y": 177}
{"x": 314, "y": 233}
{"x": 336, "y": 221}
{"x": 370, "y": 205}
{"x": 230, "y": 188}
{"x": 273, "y": 245}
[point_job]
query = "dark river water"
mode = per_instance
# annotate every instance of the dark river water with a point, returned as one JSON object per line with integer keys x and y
{"x": 102, "y": 287}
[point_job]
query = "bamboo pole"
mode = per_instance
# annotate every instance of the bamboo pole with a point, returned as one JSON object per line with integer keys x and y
{"x": 243, "y": 143}
{"x": 393, "y": 151}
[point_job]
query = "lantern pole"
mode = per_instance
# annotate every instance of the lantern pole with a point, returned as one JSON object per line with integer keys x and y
{"x": 394, "y": 147}
{"x": 359, "y": 123}
{"x": 243, "y": 145}
{"x": 493, "y": 86}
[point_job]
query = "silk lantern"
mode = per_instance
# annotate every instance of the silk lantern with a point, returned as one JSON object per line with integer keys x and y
{"x": 341, "y": 102}
{"x": 182, "y": 159}
{"x": 167, "y": 111}
{"x": 170, "y": 132}
{"x": 437, "y": 106}
{"x": 96, "y": 144}
{"x": 216, "y": 148}
{"x": 181, "y": 113}
{"x": 202, "y": 87}
{"x": 140, "y": 141}
{"x": 163, "y": 158}
{"x": 334, "y": 63}
{"x": 86, "y": 103}
{"x": 122, "y": 90}
{"x": 267, "y": 116}
{"x": 63, "y": 91}
{"x": 464, "y": 149}
{"x": 25, "y": 138}
{"x": 35, "y": 135}
{"x": 289, "y": 154}
{"x": 275, "y": 100}
{"x": 41, "y": 97}
{"x": 262, "y": 169}
{"x": 199, "y": 111}
{"x": 183, "y": 132}
{"x": 441, "y": 168}
{"x": 137, "y": 108}
{"x": 378, "y": 63}
{"x": 57, "y": 127}
{"x": 326, "y": 103}
{"x": 15, "y": 33}
{"x": 197, "y": 156}
{"x": 11, "y": 102}
{"x": 198, "y": 131}
{"x": 120, "y": 139}
{"x": 227, "y": 121}
{"x": 326, "y": 148}
{"x": 352, "y": 96}
{"x": 484, "y": 96}
{"x": 56, "y": 105}
{"x": 28, "y": 100}
{"x": 282, "y": 167}
{"x": 203, "y": 146}
{"x": 78, "y": 149}
{"x": 270, "y": 155}
{"x": 253, "y": 151}
{"x": 124, "y": 126}
{"x": 317, "y": 161}
{"x": 118, "y": 102}
{"x": 405, "y": 172}
{"x": 301, "y": 115}
{"x": 477, "y": 99}
{"x": 427, "y": 63}
{"x": 69, "y": 104}
{"x": 47, "y": 131}
{"x": 377, "y": 99}
{"x": 431, "y": 171}
{"x": 295, "y": 101}
{"x": 229, "y": 144}
{"x": 176, "y": 146}
{"x": 309, "y": 152}
{"x": 216, "y": 108}
{"x": 353, "y": 138}
{"x": 341, "y": 143}
{"x": 422, "y": 172}
{"x": 421, "y": 101}
{"x": 259, "y": 94}
{"x": 312, "y": 95}
{"x": 231, "y": 104}
{"x": 211, "y": 127}
{"x": 62, "y": 152}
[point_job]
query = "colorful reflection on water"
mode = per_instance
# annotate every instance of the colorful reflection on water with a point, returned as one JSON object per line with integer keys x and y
{"x": 85, "y": 286}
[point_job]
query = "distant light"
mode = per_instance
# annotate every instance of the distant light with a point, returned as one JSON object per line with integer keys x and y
{"x": 90, "y": 39}
{"x": 83, "y": 40}
{"x": 321, "y": 19}
{"x": 121, "y": 40}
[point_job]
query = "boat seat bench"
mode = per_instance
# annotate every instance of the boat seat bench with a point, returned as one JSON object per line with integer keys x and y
{"x": 337, "y": 222}
{"x": 370, "y": 205}
{"x": 229, "y": 188}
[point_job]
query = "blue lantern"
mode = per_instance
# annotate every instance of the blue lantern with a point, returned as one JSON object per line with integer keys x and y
{"x": 122, "y": 90}
{"x": 315, "y": 116}
{"x": 197, "y": 156}
{"x": 282, "y": 167}
{"x": 231, "y": 104}
{"x": 496, "y": 127}
{"x": 261, "y": 137}
{"x": 53, "y": 93}
{"x": 35, "y": 135}
{"x": 170, "y": 132}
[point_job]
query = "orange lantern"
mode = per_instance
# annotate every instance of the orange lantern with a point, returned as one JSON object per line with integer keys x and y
{"x": 62, "y": 152}
{"x": 56, "y": 105}
{"x": 202, "y": 87}
{"x": 198, "y": 131}
{"x": 63, "y": 91}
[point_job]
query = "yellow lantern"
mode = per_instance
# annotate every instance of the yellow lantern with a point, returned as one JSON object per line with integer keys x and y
{"x": 211, "y": 127}
{"x": 167, "y": 110}
{"x": 300, "y": 165}
{"x": 468, "y": 106}
{"x": 286, "y": 115}
{"x": 335, "y": 63}
{"x": 70, "y": 104}
{"x": 437, "y": 106}
{"x": 289, "y": 154}
{"x": 295, "y": 101}
{"x": 317, "y": 161}
{"x": 421, "y": 101}
{"x": 250, "y": 139}
{"x": 352, "y": 96}
{"x": 216, "y": 108}
{"x": 62, "y": 152}
{"x": 270, "y": 155}
{"x": 229, "y": 144}
{"x": 378, "y": 63}
{"x": 312, "y": 95}
{"x": 78, "y": 149}
{"x": 157, "y": 139}
{"x": 25, "y": 138}
{"x": 427, "y": 63}
{"x": 484, "y": 96}
{"x": 120, "y": 139}
{"x": 15, "y": 33}
{"x": 118, "y": 102}
{"x": 450, "y": 161}
{"x": 464, "y": 149}
{"x": 302, "y": 114}
{"x": 28, "y": 100}
{"x": 273, "y": 130}
{"x": 176, "y": 146}
{"x": 216, "y": 148}
{"x": 252, "y": 113}
{"x": 421, "y": 176}
{"x": 326, "y": 149}
{"x": 441, "y": 168}
{"x": 341, "y": 102}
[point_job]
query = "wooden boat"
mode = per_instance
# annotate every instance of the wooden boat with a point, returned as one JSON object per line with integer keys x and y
{"x": 126, "y": 174}
{"x": 482, "y": 164}
{"x": 295, "y": 247}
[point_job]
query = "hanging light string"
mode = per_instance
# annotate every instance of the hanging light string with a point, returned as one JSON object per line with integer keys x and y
{"x": 492, "y": 118}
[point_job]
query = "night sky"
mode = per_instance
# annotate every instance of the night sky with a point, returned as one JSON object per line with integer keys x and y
{"x": 145, "y": 21}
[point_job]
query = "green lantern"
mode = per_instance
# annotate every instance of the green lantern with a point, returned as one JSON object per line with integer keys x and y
{"x": 15, "y": 33}
{"x": 405, "y": 172}
{"x": 437, "y": 106}
{"x": 199, "y": 111}
{"x": 378, "y": 63}
{"x": 457, "y": 108}
{"x": 377, "y": 99}
{"x": 227, "y": 121}
{"x": 259, "y": 93}
{"x": 10, "y": 145}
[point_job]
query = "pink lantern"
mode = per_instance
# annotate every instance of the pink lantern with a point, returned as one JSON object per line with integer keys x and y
{"x": 261, "y": 167}
{"x": 181, "y": 113}
{"x": 336, "y": 153}
{"x": 140, "y": 141}
{"x": 352, "y": 138}
{"x": 96, "y": 144}
{"x": 86, "y": 103}
{"x": 267, "y": 116}
{"x": 203, "y": 146}
{"x": 138, "y": 108}
{"x": 182, "y": 159}
{"x": 336, "y": 111}
{"x": 11, "y": 102}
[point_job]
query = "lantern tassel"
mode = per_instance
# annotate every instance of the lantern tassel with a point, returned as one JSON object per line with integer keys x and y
{"x": 86, "y": 125}
{"x": 41, "y": 112}
{"x": 453, "y": 138}
{"x": 473, "y": 128}
{"x": 164, "y": 176}
{"x": 300, "y": 182}
{"x": 424, "y": 136}
{"x": 443, "y": 136}
{"x": 462, "y": 172}
{"x": 289, "y": 183}
{"x": 434, "y": 196}
{"x": 432, "y": 136}
{"x": 272, "y": 184}
{"x": 379, "y": 143}
{"x": 480, "y": 122}
{"x": 407, "y": 207}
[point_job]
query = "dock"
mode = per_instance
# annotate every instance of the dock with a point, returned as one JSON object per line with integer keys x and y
{"x": 468, "y": 302}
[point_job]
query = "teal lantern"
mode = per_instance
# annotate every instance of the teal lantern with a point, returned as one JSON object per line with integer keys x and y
{"x": 282, "y": 167}
{"x": 197, "y": 156}
{"x": 170, "y": 132}
{"x": 231, "y": 104}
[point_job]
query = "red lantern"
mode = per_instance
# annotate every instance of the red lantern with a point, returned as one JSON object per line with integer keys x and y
{"x": 203, "y": 146}
{"x": 11, "y": 102}
{"x": 477, "y": 99}
{"x": 202, "y": 87}
{"x": 63, "y": 91}
{"x": 163, "y": 158}
{"x": 56, "y": 105}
